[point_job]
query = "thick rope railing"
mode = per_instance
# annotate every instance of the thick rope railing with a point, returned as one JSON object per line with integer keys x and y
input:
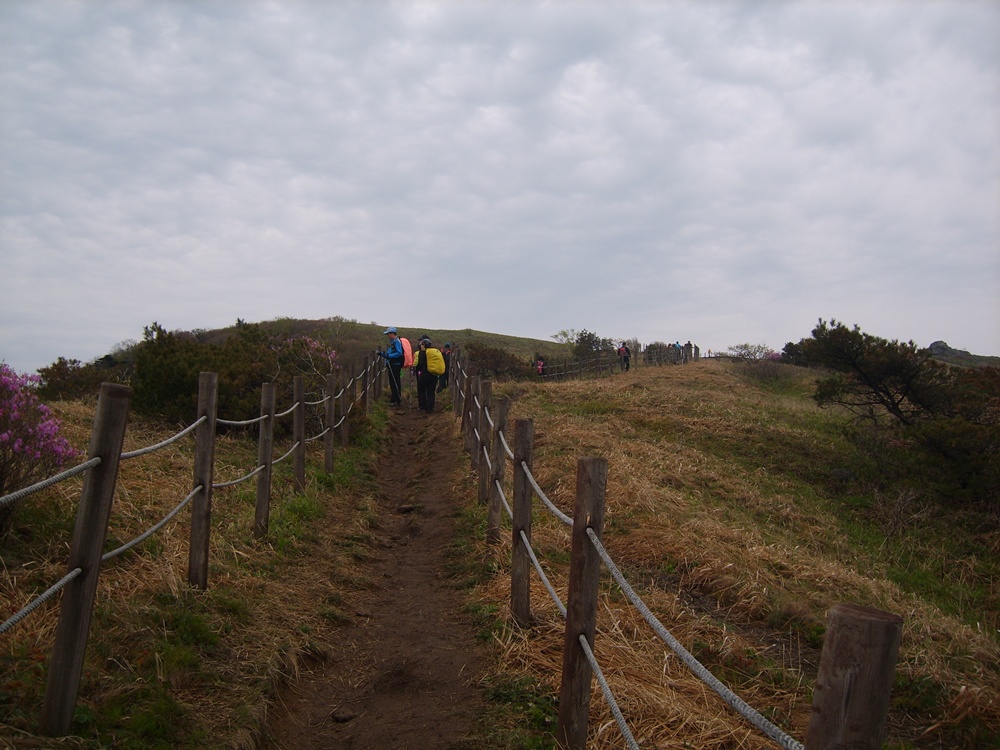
{"x": 242, "y": 422}
{"x": 545, "y": 498}
{"x": 503, "y": 499}
{"x": 24, "y": 492}
{"x": 234, "y": 482}
{"x": 288, "y": 411}
{"x": 506, "y": 448}
{"x": 57, "y": 720}
{"x": 734, "y": 701}
{"x": 55, "y": 479}
{"x": 608, "y": 695}
{"x": 541, "y": 574}
{"x": 290, "y": 452}
{"x": 152, "y": 530}
{"x": 56, "y": 587}
{"x": 163, "y": 444}
{"x": 737, "y": 703}
{"x": 314, "y": 438}
{"x": 48, "y": 594}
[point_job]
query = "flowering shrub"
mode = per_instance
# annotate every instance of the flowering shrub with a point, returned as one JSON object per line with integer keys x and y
{"x": 31, "y": 448}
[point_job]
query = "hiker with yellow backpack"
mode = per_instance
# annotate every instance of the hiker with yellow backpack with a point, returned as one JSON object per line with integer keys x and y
{"x": 429, "y": 366}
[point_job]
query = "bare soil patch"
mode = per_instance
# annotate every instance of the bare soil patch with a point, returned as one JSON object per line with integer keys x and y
{"x": 404, "y": 673}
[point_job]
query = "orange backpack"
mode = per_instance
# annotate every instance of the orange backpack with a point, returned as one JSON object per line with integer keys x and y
{"x": 407, "y": 352}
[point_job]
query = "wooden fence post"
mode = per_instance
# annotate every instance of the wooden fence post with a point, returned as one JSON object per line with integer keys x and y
{"x": 378, "y": 369}
{"x": 89, "y": 535}
{"x": 456, "y": 370}
{"x": 581, "y": 609}
{"x": 498, "y": 459}
{"x": 461, "y": 395}
{"x": 342, "y": 403}
{"x": 265, "y": 449}
{"x": 855, "y": 678}
{"x": 299, "y": 433}
{"x": 204, "y": 470}
{"x": 366, "y": 403}
{"x": 481, "y": 464}
{"x": 353, "y": 389}
{"x": 330, "y": 416}
{"x": 469, "y": 415}
{"x": 520, "y": 564}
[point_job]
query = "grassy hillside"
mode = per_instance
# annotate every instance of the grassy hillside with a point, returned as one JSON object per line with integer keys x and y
{"x": 941, "y": 351}
{"x": 738, "y": 510}
{"x": 352, "y": 339}
{"x": 743, "y": 513}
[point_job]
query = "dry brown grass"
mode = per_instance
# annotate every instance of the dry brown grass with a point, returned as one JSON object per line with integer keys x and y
{"x": 740, "y": 561}
{"x": 223, "y": 651}
{"x": 735, "y": 560}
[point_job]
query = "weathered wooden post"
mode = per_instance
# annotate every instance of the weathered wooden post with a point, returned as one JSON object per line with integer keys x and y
{"x": 366, "y": 403}
{"x": 353, "y": 389}
{"x": 498, "y": 459}
{"x": 460, "y": 392}
{"x": 469, "y": 415}
{"x": 265, "y": 448}
{"x": 299, "y": 433}
{"x": 855, "y": 679}
{"x": 345, "y": 431}
{"x": 520, "y": 564}
{"x": 378, "y": 369}
{"x": 329, "y": 417}
{"x": 204, "y": 471}
{"x": 89, "y": 535}
{"x": 456, "y": 379}
{"x": 482, "y": 423}
{"x": 581, "y": 609}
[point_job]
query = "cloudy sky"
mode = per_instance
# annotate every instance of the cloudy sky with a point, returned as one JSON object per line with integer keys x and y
{"x": 724, "y": 172}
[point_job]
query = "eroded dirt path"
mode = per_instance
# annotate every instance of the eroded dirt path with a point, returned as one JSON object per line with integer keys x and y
{"x": 404, "y": 676}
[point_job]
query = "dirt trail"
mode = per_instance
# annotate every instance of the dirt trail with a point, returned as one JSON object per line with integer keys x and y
{"x": 404, "y": 675}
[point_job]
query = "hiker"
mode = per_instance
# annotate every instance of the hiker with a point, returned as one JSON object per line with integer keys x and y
{"x": 443, "y": 379}
{"x": 393, "y": 356}
{"x": 539, "y": 365}
{"x": 429, "y": 366}
{"x": 625, "y": 355}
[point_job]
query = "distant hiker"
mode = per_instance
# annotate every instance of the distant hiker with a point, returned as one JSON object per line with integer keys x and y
{"x": 443, "y": 379}
{"x": 429, "y": 366}
{"x": 393, "y": 356}
{"x": 540, "y": 365}
{"x": 625, "y": 356}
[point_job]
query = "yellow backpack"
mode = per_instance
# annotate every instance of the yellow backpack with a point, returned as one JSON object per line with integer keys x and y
{"x": 435, "y": 361}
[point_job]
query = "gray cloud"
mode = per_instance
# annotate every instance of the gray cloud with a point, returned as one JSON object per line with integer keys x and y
{"x": 724, "y": 172}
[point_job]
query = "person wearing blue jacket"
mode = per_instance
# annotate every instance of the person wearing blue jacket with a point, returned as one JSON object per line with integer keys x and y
{"x": 393, "y": 356}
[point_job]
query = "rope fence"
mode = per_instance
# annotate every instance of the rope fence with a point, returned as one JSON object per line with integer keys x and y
{"x": 485, "y": 434}
{"x": 840, "y": 712}
{"x": 101, "y": 477}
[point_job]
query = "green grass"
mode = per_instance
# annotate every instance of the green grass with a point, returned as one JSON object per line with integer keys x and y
{"x": 521, "y": 714}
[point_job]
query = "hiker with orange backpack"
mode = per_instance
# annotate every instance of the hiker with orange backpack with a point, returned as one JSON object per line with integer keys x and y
{"x": 394, "y": 357}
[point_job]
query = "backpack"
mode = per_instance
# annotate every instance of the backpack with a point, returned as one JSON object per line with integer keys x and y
{"x": 435, "y": 361}
{"x": 407, "y": 352}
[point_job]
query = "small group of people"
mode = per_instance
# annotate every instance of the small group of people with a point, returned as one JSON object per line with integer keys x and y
{"x": 625, "y": 357}
{"x": 430, "y": 366}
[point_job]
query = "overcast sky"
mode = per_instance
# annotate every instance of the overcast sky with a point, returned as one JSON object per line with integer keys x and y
{"x": 724, "y": 172}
